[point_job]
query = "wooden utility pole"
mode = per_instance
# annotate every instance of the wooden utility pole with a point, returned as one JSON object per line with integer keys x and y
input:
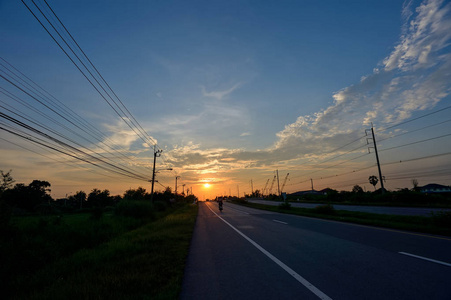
{"x": 377, "y": 158}
{"x": 176, "y": 177}
{"x": 156, "y": 153}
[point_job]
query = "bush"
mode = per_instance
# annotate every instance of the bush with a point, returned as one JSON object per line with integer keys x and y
{"x": 285, "y": 206}
{"x": 325, "y": 209}
{"x": 442, "y": 219}
{"x": 135, "y": 209}
{"x": 240, "y": 201}
{"x": 96, "y": 213}
{"x": 160, "y": 205}
{"x": 5, "y": 216}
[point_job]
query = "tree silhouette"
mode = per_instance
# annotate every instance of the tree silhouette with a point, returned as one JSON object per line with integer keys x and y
{"x": 415, "y": 185}
{"x": 28, "y": 197}
{"x": 373, "y": 180}
{"x": 6, "y": 181}
{"x": 138, "y": 194}
{"x": 98, "y": 198}
{"x": 357, "y": 189}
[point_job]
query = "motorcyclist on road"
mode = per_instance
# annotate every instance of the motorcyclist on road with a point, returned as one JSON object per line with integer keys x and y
{"x": 220, "y": 203}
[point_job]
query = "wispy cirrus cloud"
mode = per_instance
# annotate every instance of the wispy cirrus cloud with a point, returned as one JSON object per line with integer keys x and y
{"x": 120, "y": 134}
{"x": 219, "y": 94}
{"x": 415, "y": 76}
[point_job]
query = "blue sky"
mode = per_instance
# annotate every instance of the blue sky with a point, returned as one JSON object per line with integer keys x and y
{"x": 233, "y": 90}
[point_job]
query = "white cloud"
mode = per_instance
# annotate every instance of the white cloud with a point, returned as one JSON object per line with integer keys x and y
{"x": 120, "y": 134}
{"x": 415, "y": 76}
{"x": 219, "y": 95}
{"x": 428, "y": 32}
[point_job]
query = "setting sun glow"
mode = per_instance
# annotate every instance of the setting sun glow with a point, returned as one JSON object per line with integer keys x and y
{"x": 207, "y": 185}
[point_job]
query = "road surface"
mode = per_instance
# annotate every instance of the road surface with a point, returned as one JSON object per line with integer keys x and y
{"x": 387, "y": 210}
{"x": 244, "y": 253}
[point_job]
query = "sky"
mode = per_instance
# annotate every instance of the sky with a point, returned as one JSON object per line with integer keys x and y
{"x": 232, "y": 92}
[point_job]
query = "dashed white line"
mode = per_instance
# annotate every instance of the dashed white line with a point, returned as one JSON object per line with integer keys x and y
{"x": 425, "y": 258}
{"x": 287, "y": 269}
{"x": 281, "y": 222}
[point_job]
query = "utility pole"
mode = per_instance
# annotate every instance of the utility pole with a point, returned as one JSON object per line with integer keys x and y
{"x": 377, "y": 157}
{"x": 311, "y": 181}
{"x": 264, "y": 189}
{"x": 252, "y": 188}
{"x": 176, "y": 177}
{"x": 238, "y": 188}
{"x": 156, "y": 153}
{"x": 278, "y": 183}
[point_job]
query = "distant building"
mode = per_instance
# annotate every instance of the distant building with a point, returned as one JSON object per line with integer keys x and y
{"x": 435, "y": 188}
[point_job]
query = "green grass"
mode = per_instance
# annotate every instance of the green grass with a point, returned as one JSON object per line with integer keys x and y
{"x": 133, "y": 258}
{"x": 435, "y": 224}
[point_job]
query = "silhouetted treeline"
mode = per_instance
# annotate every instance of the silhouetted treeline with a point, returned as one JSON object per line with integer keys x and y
{"x": 35, "y": 197}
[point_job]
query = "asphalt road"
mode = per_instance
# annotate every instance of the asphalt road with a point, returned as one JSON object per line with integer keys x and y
{"x": 387, "y": 210}
{"x": 244, "y": 253}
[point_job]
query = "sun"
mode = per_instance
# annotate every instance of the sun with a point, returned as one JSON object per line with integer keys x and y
{"x": 207, "y": 185}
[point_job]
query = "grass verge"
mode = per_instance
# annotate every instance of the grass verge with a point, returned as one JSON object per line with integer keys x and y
{"x": 439, "y": 223}
{"x": 143, "y": 263}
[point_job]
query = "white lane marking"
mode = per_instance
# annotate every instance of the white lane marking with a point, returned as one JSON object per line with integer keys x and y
{"x": 425, "y": 258}
{"x": 281, "y": 222}
{"x": 290, "y": 271}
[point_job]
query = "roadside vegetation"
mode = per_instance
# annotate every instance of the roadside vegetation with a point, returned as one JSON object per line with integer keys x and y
{"x": 118, "y": 247}
{"x": 402, "y": 198}
{"x": 439, "y": 223}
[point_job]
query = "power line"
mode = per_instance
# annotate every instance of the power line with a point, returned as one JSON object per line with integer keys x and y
{"x": 36, "y": 91}
{"x": 414, "y": 119}
{"x": 146, "y": 139}
{"x": 74, "y": 151}
{"x": 417, "y": 142}
{"x": 31, "y": 120}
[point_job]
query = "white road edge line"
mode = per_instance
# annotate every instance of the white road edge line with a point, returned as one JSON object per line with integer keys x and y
{"x": 290, "y": 271}
{"x": 425, "y": 258}
{"x": 281, "y": 222}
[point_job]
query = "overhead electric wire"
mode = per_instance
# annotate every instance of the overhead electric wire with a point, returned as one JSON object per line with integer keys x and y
{"x": 390, "y": 175}
{"x": 67, "y": 116}
{"x": 66, "y": 153}
{"x": 90, "y": 62}
{"x": 87, "y": 127}
{"x": 124, "y": 117}
{"x": 58, "y": 123}
{"x": 414, "y": 119}
{"x": 66, "y": 162}
{"x": 71, "y": 148}
{"x": 417, "y": 142}
{"x": 412, "y": 131}
{"x": 61, "y": 136}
